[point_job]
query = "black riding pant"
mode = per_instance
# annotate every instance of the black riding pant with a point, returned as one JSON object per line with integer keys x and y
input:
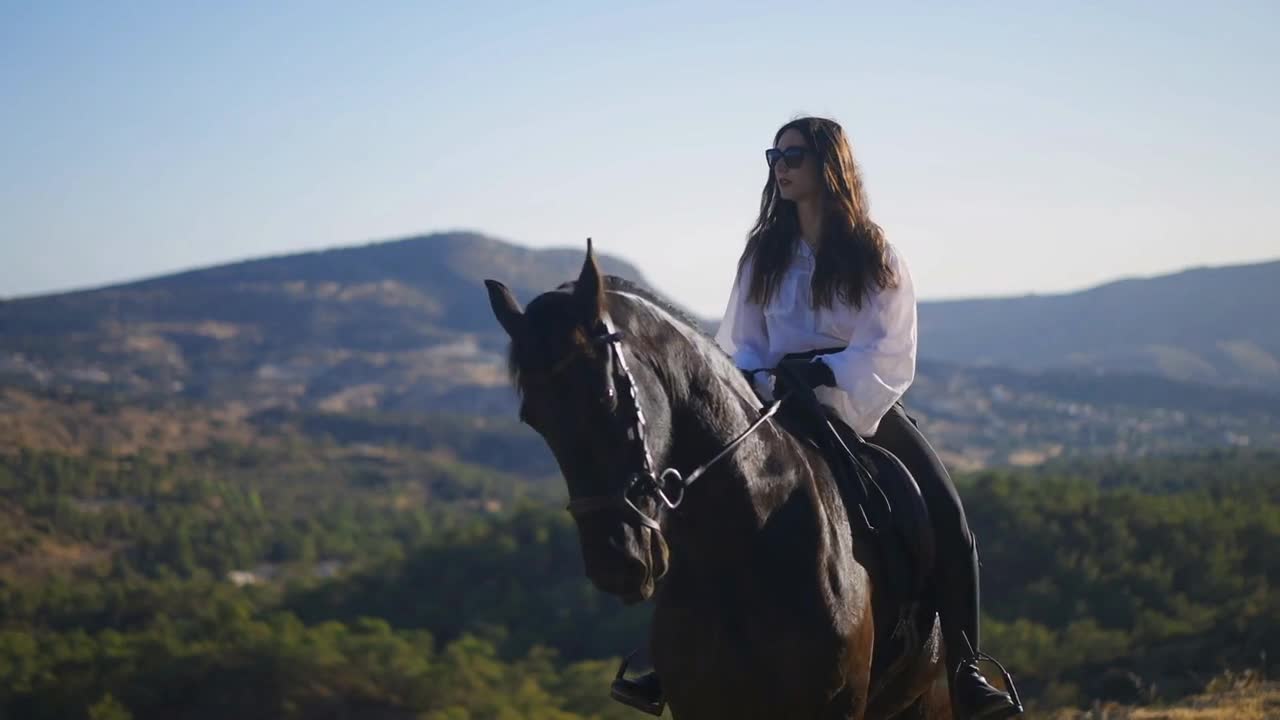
{"x": 900, "y": 436}
{"x": 956, "y": 553}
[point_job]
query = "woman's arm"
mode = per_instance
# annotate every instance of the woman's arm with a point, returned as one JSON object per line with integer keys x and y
{"x": 742, "y": 333}
{"x": 879, "y": 364}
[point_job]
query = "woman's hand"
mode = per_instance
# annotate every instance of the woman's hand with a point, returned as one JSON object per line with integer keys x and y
{"x": 813, "y": 373}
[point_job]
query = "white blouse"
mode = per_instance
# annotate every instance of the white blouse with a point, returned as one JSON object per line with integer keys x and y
{"x": 878, "y": 363}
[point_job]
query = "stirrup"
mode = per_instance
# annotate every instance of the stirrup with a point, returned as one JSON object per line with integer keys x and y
{"x": 629, "y": 692}
{"x": 977, "y": 657}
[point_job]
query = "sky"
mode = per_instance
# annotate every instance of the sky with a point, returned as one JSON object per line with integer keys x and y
{"x": 1007, "y": 148}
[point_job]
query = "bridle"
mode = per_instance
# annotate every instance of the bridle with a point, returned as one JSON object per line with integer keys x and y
{"x": 667, "y": 487}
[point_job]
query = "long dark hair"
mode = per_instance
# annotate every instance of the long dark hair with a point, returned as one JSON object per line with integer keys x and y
{"x": 852, "y": 255}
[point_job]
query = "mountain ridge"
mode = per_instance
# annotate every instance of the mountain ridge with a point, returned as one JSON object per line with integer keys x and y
{"x": 1207, "y": 324}
{"x": 451, "y": 240}
{"x": 320, "y": 326}
{"x": 1271, "y": 264}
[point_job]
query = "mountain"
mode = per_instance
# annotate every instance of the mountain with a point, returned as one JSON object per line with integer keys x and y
{"x": 393, "y": 344}
{"x": 1213, "y": 325}
{"x": 398, "y": 324}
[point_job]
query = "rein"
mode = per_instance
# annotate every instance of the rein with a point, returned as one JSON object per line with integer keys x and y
{"x": 669, "y": 486}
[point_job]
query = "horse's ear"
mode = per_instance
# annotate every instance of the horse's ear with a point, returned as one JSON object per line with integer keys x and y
{"x": 589, "y": 290}
{"x": 505, "y": 308}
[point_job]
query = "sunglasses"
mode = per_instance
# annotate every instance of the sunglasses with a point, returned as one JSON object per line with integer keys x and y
{"x": 794, "y": 156}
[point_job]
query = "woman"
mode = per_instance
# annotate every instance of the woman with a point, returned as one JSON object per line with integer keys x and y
{"x": 818, "y": 273}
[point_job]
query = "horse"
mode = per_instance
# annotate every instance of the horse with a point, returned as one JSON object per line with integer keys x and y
{"x": 768, "y": 601}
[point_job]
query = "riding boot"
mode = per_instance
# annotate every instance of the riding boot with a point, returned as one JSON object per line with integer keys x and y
{"x": 644, "y": 693}
{"x": 973, "y": 697}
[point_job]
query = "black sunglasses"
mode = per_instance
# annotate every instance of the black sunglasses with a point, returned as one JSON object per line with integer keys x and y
{"x": 794, "y": 156}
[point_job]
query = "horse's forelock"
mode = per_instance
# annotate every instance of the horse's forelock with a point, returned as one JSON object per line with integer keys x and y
{"x": 549, "y": 315}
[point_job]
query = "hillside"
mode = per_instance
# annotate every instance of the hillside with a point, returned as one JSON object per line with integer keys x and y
{"x": 985, "y": 416}
{"x": 1229, "y": 699}
{"x": 1207, "y": 324}
{"x": 975, "y": 417}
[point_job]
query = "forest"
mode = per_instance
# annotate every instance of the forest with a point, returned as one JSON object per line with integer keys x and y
{"x": 256, "y": 583}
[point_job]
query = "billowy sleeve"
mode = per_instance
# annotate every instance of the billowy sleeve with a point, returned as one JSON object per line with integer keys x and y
{"x": 742, "y": 332}
{"x": 879, "y": 364}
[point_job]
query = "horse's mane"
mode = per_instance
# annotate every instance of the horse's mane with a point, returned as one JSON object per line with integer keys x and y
{"x": 613, "y": 282}
{"x": 622, "y": 285}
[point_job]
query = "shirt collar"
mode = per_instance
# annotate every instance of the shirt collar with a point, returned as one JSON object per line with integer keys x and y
{"x": 803, "y": 250}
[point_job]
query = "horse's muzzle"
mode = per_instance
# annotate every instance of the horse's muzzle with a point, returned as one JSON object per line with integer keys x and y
{"x": 627, "y": 564}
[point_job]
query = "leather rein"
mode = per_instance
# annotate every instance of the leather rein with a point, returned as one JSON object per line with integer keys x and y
{"x": 667, "y": 487}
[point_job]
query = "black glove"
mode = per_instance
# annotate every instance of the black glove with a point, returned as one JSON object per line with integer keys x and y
{"x": 813, "y": 373}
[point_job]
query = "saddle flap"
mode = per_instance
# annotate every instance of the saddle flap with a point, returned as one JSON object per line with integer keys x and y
{"x": 907, "y": 519}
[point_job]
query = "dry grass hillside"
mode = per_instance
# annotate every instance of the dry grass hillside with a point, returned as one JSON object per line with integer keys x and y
{"x": 1233, "y": 696}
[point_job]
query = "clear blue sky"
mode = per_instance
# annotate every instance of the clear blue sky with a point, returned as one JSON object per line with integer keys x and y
{"x": 1008, "y": 147}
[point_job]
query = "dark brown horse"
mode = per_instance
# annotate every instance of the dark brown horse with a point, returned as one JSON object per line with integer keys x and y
{"x": 767, "y": 603}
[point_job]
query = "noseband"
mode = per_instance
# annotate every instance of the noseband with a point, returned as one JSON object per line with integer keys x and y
{"x": 668, "y": 487}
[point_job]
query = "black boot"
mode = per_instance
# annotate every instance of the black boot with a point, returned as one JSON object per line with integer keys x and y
{"x": 644, "y": 693}
{"x": 973, "y": 697}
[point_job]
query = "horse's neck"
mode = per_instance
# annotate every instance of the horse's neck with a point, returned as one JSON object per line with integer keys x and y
{"x": 711, "y": 403}
{"x": 758, "y": 520}
{"x": 739, "y": 495}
